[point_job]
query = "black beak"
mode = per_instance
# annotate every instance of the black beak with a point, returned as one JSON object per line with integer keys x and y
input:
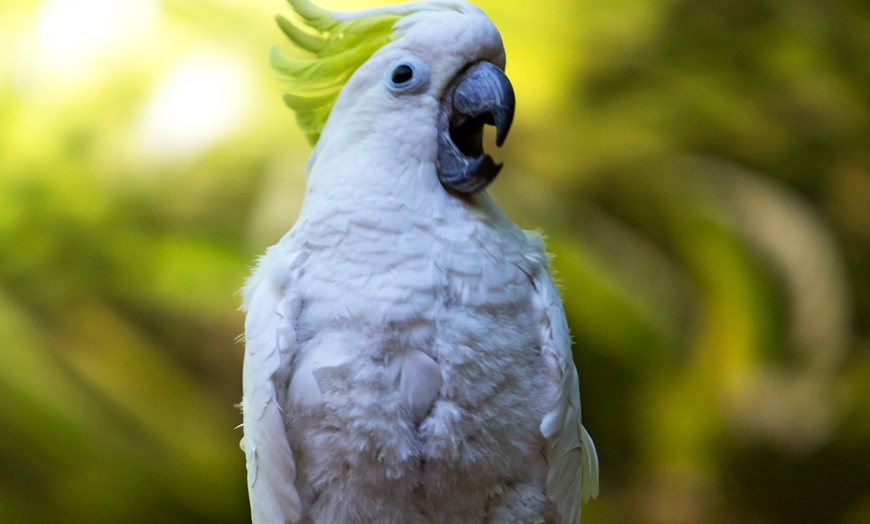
{"x": 482, "y": 94}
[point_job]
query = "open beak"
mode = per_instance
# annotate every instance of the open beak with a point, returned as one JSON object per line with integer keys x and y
{"x": 482, "y": 94}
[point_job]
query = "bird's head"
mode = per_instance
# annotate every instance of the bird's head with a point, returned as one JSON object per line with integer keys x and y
{"x": 412, "y": 84}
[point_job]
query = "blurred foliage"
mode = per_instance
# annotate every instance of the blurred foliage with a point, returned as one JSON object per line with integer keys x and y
{"x": 701, "y": 167}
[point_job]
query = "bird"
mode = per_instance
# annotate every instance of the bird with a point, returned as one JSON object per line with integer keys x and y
{"x": 407, "y": 356}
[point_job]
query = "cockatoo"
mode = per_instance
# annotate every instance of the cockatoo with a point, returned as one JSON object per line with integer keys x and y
{"x": 407, "y": 354}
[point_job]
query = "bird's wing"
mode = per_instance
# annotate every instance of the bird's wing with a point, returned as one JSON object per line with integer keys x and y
{"x": 269, "y": 345}
{"x": 570, "y": 453}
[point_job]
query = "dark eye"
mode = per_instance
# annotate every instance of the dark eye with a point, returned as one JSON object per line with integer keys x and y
{"x": 408, "y": 76}
{"x": 402, "y": 73}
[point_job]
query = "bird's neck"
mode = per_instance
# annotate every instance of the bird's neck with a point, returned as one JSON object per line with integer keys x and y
{"x": 374, "y": 172}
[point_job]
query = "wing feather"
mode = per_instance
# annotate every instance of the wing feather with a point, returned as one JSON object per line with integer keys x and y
{"x": 268, "y": 348}
{"x": 570, "y": 452}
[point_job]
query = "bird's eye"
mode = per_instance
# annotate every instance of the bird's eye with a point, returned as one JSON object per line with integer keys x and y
{"x": 403, "y": 73}
{"x": 408, "y": 76}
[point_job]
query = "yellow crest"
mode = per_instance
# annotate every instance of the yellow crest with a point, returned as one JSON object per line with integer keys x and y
{"x": 340, "y": 43}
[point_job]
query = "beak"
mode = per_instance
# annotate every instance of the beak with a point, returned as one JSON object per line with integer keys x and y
{"x": 482, "y": 94}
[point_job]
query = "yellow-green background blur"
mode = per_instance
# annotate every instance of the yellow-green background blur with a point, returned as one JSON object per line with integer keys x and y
{"x": 701, "y": 167}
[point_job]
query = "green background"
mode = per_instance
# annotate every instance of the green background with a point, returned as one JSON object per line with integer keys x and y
{"x": 701, "y": 168}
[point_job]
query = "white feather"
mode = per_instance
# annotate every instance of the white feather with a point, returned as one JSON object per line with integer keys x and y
{"x": 570, "y": 452}
{"x": 268, "y": 347}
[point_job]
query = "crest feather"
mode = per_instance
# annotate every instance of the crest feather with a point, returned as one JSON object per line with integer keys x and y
{"x": 340, "y": 43}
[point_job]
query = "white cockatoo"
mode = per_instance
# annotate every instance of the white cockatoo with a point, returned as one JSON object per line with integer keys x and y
{"x": 407, "y": 355}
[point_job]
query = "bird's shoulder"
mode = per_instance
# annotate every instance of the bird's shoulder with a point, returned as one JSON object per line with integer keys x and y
{"x": 269, "y": 345}
{"x": 569, "y": 451}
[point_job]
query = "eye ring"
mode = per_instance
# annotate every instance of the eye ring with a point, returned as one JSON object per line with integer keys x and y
{"x": 408, "y": 76}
